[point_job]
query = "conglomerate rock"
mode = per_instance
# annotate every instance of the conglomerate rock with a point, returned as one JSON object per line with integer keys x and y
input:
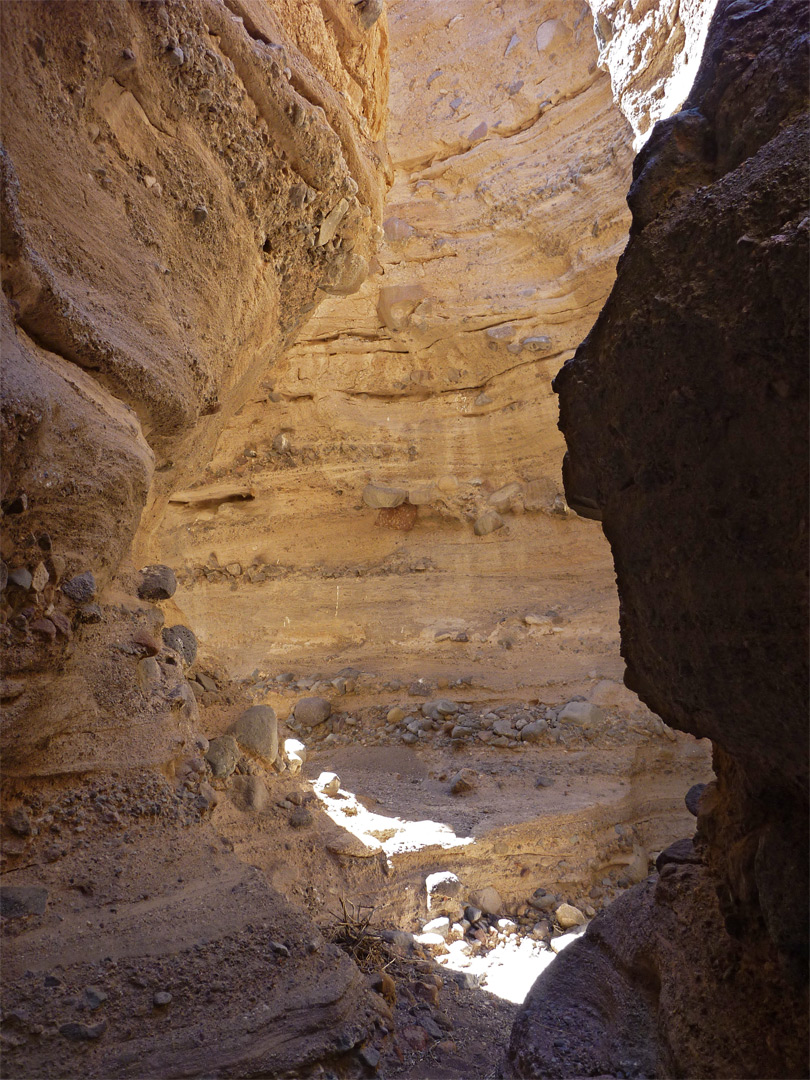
{"x": 181, "y": 182}
{"x": 685, "y": 412}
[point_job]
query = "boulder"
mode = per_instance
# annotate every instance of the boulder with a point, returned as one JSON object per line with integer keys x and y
{"x": 80, "y": 589}
{"x": 256, "y": 731}
{"x": 157, "y": 583}
{"x": 328, "y": 783}
{"x": 568, "y": 916}
{"x": 488, "y": 900}
{"x": 250, "y": 793}
{"x": 487, "y": 523}
{"x": 223, "y": 754}
{"x": 462, "y": 782}
{"x": 581, "y": 714}
{"x": 311, "y": 711}
{"x": 182, "y": 640}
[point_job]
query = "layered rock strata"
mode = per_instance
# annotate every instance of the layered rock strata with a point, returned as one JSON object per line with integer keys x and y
{"x": 501, "y": 232}
{"x": 685, "y": 413}
{"x": 180, "y": 183}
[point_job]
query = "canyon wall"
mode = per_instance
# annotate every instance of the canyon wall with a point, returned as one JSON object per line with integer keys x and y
{"x": 500, "y": 236}
{"x": 685, "y": 412}
{"x": 181, "y": 182}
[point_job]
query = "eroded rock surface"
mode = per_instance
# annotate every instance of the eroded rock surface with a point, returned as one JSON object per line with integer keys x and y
{"x": 405, "y": 446}
{"x": 685, "y": 413}
{"x": 180, "y": 183}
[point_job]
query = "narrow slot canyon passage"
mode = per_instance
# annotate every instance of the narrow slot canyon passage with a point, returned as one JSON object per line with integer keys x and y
{"x": 329, "y": 747}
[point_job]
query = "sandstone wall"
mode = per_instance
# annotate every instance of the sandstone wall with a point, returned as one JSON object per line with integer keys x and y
{"x": 500, "y": 236}
{"x": 167, "y": 172}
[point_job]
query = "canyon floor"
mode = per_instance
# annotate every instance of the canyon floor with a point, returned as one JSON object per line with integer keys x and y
{"x": 251, "y": 900}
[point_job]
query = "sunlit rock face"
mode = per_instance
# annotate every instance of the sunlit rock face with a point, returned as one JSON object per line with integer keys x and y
{"x": 181, "y": 182}
{"x": 219, "y": 170}
{"x": 685, "y": 414}
{"x": 506, "y": 215}
{"x": 652, "y": 51}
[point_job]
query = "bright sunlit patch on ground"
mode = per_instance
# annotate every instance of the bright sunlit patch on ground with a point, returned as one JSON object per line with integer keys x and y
{"x": 510, "y": 968}
{"x": 509, "y": 962}
{"x": 393, "y": 834}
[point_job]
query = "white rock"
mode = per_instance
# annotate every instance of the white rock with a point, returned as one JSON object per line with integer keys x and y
{"x": 328, "y": 783}
{"x": 433, "y": 941}
{"x": 437, "y": 926}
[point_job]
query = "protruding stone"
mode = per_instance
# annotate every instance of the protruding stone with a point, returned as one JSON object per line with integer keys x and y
{"x": 182, "y": 640}
{"x": 487, "y": 523}
{"x": 157, "y": 583}
{"x": 81, "y": 588}
{"x": 328, "y": 783}
{"x": 692, "y": 798}
{"x": 462, "y": 782}
{"x": 21, "y": 577}
{"x": 311, "y": 711}
{"x": 581, "y": 714}
{"x": 39, "y": 578}
{"x": 380, "y": 496}
{"x": 223, "y": 754}
{"x": 568, "y": 916}
{"x": 256, "y": 730}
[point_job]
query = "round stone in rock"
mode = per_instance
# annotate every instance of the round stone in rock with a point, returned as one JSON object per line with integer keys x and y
{"x": 311, "y": 711}
{"x": 581, "y": 714}
{"x": 157, "y": 583}
{"x": 568, "y": 916}
{"x": 300, "y": 818}
{"x": 182, "y": 640}
{"x": 162, "y": 998}
{"x": 463, "y": 781}
{"x": 443, "y": 883}
{"x": 395, "y": 715}
{"x": 90, "y": 613}
{"x": 222, "y": 756}
{"x": 382, "y": 496}
{"x": 487, "y": 523}
{"x": 81, "y": 588}
{"x": 256, "y": 730}
{"x": 692, "y": 798}
{"x": 533, "y": 732}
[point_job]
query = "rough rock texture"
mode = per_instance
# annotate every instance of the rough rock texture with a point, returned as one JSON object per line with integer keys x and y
{"x": 200, "y": 150}
{"x": 685, "y": 413}
{"x": 652, "y": 51}
{"x": 181, "y": 183}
